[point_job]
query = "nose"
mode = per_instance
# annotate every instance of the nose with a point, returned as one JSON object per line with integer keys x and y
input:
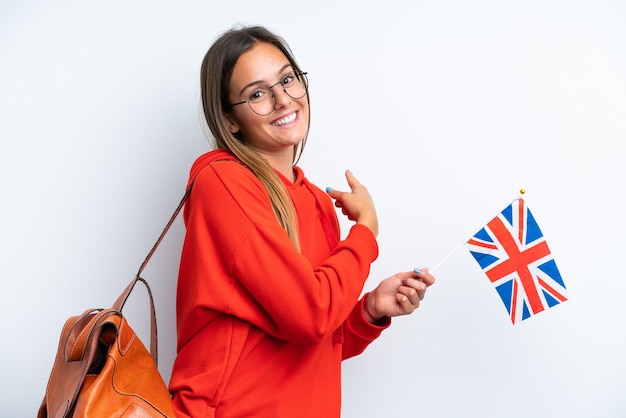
{"x": 281, "y": 98}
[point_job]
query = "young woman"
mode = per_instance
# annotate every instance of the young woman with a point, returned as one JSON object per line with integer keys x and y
{"x": 268, "y": 295}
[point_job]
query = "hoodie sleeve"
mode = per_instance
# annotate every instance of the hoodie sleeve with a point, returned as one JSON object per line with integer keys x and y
{"x": 359, "y": 332}
{"x": 237, "y": 259}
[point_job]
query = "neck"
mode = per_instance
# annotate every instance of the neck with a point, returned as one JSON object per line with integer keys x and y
{"x": 283, "y": 163}
{"x": 285, "y": 169}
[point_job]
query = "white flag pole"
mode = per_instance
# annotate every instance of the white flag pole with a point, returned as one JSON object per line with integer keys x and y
{"x": 432, "y": 270}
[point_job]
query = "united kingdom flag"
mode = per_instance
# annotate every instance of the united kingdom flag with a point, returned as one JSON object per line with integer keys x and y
{"x": 514, "y": 255}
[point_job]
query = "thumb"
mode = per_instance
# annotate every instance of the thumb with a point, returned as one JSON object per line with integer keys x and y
{"x": 352, "y": 181}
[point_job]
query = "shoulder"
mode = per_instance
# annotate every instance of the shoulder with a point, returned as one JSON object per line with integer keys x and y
{"x": 228, "y": 174}
{"x": 228, "y": 185}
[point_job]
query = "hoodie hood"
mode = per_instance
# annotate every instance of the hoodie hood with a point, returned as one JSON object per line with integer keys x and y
{"x": 330, "y": 227}
{"x": 206, "y": 159}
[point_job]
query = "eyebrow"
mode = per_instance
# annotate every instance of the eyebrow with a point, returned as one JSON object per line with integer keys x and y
{"x": 254, "y": 83}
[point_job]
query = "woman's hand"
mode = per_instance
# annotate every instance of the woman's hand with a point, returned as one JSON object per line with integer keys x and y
{"x": 357, "y": 204}
{"x": 397, "y": 295}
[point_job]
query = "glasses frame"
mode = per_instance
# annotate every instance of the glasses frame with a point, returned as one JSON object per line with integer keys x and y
{"x": 298, "y": 74}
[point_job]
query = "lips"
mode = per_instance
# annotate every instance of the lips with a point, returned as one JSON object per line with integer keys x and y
{"x": 285, "y": 120}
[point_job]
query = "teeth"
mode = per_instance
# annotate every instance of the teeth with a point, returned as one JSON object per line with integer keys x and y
{"x": 285, "y": 120}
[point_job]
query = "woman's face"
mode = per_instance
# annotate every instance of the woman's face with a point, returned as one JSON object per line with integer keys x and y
{"x": 274, "y": 134}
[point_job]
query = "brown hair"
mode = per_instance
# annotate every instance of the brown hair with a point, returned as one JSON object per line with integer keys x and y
{"x": 216, "y": 72}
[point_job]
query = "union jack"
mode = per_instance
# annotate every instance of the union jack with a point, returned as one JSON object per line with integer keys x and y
{"x": 515, "y": 256}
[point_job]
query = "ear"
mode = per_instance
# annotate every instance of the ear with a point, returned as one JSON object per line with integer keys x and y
{"x": 233, "y": 127}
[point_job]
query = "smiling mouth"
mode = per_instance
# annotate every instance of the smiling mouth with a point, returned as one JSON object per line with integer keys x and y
{"x": 284, "y": 121}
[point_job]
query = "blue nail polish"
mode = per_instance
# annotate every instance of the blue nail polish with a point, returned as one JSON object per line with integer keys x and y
{"x": 418, "y": 271}
{"x": 328, "y": 189}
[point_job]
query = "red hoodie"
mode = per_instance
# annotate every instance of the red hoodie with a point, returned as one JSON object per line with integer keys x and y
{"x": 262, "y": 329}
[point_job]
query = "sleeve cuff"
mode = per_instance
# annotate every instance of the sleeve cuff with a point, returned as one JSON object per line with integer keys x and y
{"x": 365, "y": 238}
{"x": 361, "y": 326}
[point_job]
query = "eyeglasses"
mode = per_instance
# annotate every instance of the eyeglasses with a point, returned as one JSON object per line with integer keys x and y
{"x": 262, "y": 100}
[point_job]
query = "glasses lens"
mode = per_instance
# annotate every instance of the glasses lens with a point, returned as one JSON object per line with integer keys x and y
{"x": 265, "y": 105}
{"x": 296, "y": 86}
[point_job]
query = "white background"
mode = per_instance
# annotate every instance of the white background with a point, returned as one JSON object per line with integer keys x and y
{"x": 444, "y": 109}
